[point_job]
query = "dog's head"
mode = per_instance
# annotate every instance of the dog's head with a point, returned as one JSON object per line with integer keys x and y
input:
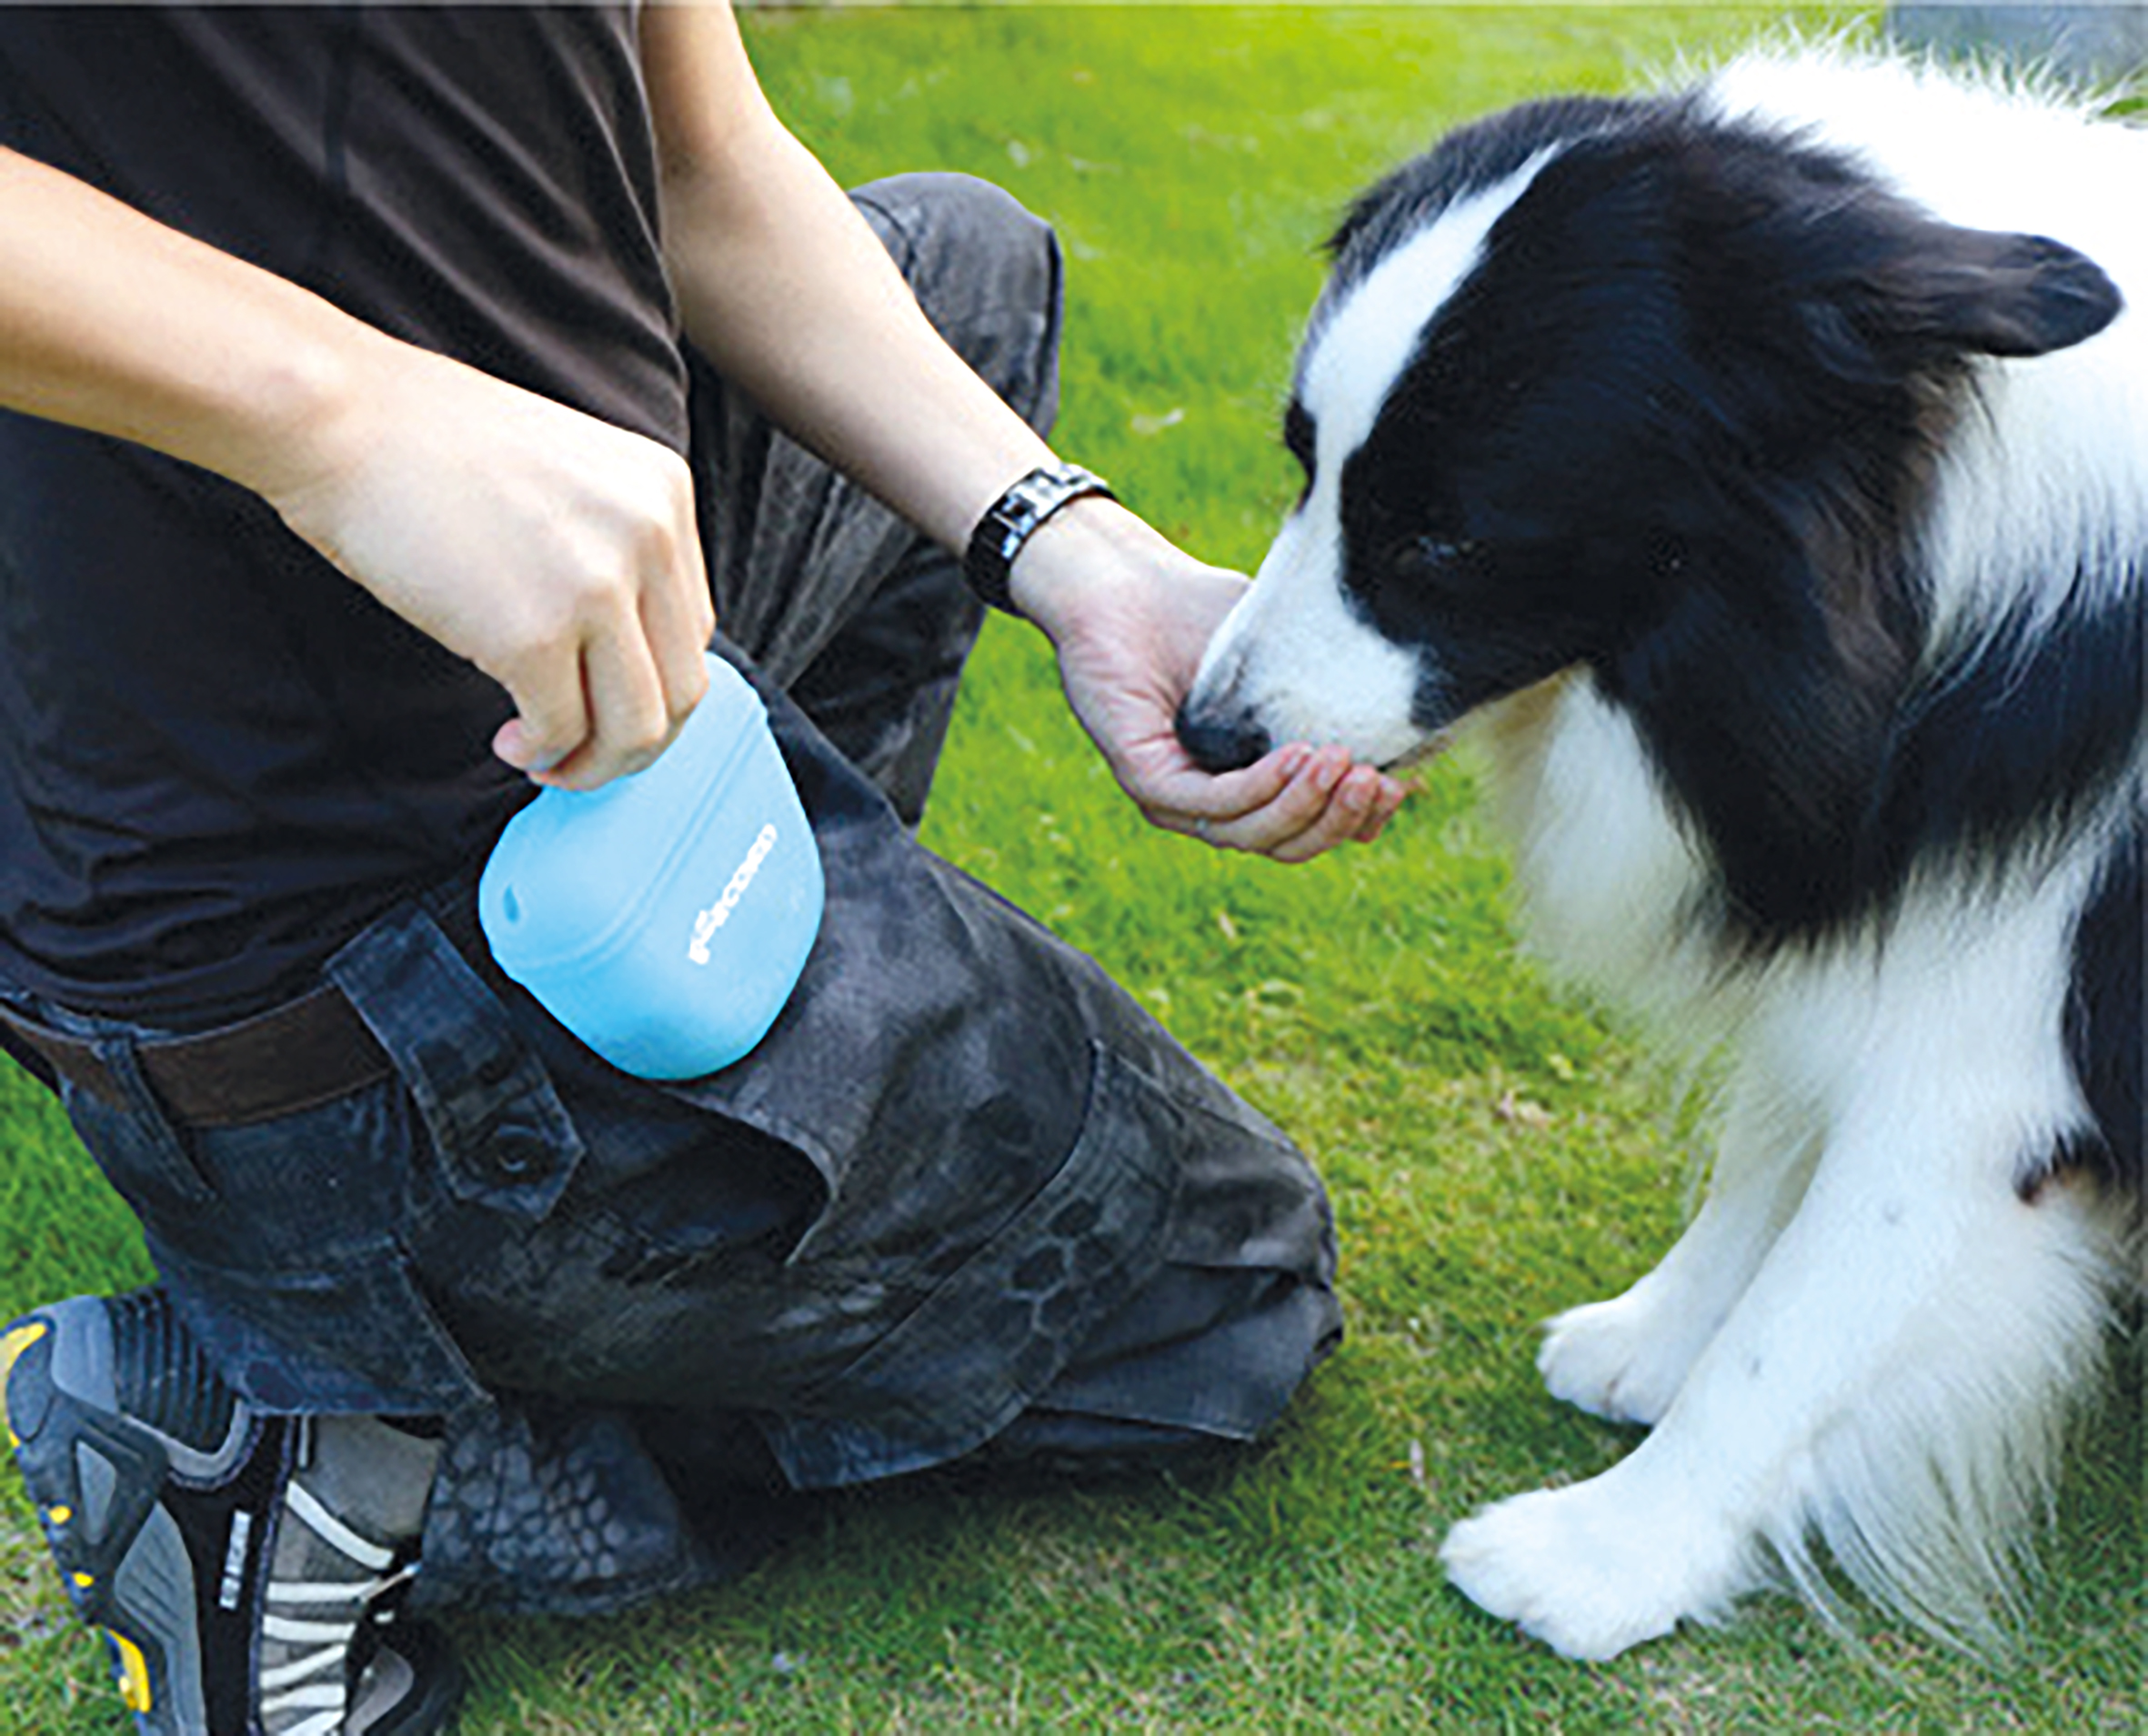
{"x": 1628, "y": 385}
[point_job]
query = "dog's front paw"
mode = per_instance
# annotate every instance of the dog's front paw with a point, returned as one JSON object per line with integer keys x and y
{"x": 1621, "y": 1359}
{"x": 1589, "y": 1572}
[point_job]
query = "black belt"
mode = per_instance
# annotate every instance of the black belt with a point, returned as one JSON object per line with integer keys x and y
{"x": 293, "y": 1056}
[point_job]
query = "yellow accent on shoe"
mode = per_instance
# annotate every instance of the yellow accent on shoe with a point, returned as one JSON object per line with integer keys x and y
{"x": 84, "y": 1579}
{"x": 59, "y": 1515}
{"x": 12, "y": 1347}
{"x": 134, "y": 1673}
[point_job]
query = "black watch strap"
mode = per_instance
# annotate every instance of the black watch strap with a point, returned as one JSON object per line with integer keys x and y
{"x": 1016, "y": 516}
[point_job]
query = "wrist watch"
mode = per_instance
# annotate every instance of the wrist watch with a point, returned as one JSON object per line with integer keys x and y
{"x": 1012, "y": 519}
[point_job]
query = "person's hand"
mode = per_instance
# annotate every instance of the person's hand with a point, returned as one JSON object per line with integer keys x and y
{"x": 556, "y": 551}
{"x": 1130, "y": 616}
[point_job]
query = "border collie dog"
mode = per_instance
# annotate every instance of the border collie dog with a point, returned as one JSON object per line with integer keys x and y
{"x": 1767, "y": 462}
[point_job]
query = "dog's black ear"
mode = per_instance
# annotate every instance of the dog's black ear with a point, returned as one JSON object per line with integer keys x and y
{"x": 1880, "y": 287}
{"x": 1990, "y": 293}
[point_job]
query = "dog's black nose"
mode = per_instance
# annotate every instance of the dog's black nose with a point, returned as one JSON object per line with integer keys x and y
{"x": 1220, "y": 742}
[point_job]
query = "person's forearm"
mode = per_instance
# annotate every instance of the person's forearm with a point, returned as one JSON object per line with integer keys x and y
{"x": 113, "y": 321}
{"x": 791, "y": 296}
{"x": 557, "y": 552}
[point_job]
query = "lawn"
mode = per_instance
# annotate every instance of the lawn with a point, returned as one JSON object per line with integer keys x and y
{"x": 1496, "y": 1150}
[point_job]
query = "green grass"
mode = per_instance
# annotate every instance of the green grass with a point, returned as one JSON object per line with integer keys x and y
{"x": 1494, "y": 1150}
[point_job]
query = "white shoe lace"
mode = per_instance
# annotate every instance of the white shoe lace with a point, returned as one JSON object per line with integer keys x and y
{"x": 316, "y": 1681}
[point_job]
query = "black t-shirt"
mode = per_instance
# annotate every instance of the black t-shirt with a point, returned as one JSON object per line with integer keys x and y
{"x": 218, "y": 757}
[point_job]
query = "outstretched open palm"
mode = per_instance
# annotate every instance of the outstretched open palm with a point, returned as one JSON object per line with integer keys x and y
{"x": 1127, "y": 655}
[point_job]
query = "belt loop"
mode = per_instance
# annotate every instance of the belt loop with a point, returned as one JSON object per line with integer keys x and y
{"x": 155, "y": 1136}
{"x": 16, "y": 1045}
{"x": 505, "y": 1139}
{"x": 105, "y": 1089}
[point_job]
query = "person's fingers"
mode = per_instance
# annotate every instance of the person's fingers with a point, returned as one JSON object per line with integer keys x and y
{"x": 1321, "y": 810}
{"x": 1325, "y": 802}
{"x": 551, "y": 716}
{"x": 624, "y": 671}
{"x": 1176, "y": 793}
{"x": 1179, "y": 796}
{"x": 1389, "y": 795}
{"x": 1302, "y": 778}
{"x": 1351, "y": 805}
{"x": 678, "y": 618}
{"x": 630, "y": 722}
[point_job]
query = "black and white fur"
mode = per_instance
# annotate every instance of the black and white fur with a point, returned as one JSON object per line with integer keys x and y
{"x": 1768, "y": 462}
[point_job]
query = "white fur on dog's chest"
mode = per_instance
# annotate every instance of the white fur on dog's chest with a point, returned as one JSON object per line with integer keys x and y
{"x": 1612, "y": 883}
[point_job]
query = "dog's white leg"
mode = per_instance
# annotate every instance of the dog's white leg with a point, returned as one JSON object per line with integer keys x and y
{"x": 1893, "y": 1380}
{"x": 1625, "y": 1359}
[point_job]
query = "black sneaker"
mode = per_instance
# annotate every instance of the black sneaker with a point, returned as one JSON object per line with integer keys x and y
{"x": 245, "y": 1569}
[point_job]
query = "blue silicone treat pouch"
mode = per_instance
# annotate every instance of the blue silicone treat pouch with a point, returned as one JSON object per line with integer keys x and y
{"x": 665, "y": 918}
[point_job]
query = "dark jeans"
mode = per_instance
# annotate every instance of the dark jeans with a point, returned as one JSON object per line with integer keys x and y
{"x": 966, "y": 1196}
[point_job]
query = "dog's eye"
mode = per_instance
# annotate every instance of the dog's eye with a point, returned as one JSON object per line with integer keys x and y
{"x": 1435, "y": 553}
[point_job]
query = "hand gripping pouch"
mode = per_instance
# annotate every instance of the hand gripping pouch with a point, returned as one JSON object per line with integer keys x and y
{"x": 664, "y": 919}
